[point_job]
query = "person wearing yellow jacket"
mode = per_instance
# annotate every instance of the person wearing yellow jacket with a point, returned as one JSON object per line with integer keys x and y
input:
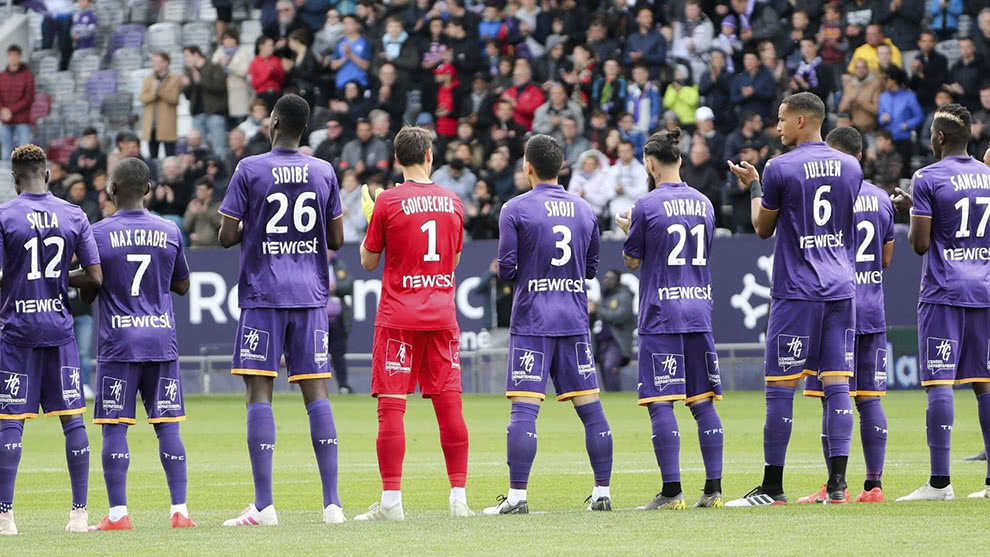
{"x": 868, "y": 50}
{"x": 680, "y": 97}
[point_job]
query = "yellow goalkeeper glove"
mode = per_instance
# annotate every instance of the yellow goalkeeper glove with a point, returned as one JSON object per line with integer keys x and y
{"x": 367, "y": 202}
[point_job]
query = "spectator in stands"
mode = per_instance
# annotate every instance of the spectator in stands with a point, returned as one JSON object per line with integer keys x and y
{"x": 328, "y": 36}
{"x": 84, "y": 25}
{"x": 693, "y": 36}
{"x": 750, "y": 130}
{"x": 753, "y": 89}
{"x": 355, "y": 222}
{"x": 129, "y": 145}
{"x": 381, "y": 126}
{"x": 966, "y": 76}
{"x": 305, "y": 76}
{"x": 899, "y": 112}
{"x": 56, "y": 26}
{"x": 313, "y": 13}
{"x": 884, "y": 164}
{"x": 716, "y": 87}
{"x": 615, "y": 340}
{"x": 78, "y": 195}
{"x": 832, "y": 40}
{"x": 235, "y": 59}
{"x": 446, "y": 102}
{"x": 942, "y": 98}
{"x": 16, "y": 97}
{"x": 549, "y": 117}
{"x": 700, "y": 174}
{"x": 88, "y": 157}
{"x": 600, "y": 44}
{"x": 981, "y": 33}
{"x": 572, "y": 141}
{"x": 582, "y": 74}
{"x": 269, "y": 14}
{"x": 352, "y": 55}
{"x": 551, "y": 66}
{"x": 524, "y": 95}
{"x": 811, "y": 73}
{"x": 859, "y": 14}
{"x": 738, "y": 192}
{"x": 860, "y": 96}
{"x": 236, "y": 149}
{"x": 681, "y": 97}
{"x": 481, "y": 211}
{"x": 609, "y": 91}
{"x": 397, "y": 48}
{"x": 929, "y": 70}
{"x": 462, "y": 50}
{"x": 646, "y": 47}
{"x": 392, "y": 94}
{"x": 777, "y": 68}
{"x": 628, "y": 177}
{"x": 643, "y": 100}
{"x": 202, "y": 221}
{"x": 727, "y": 42}
{"x": 456, "y": 177}
{"x": 498, "y": 175}
{"x": 945, "y": 17}
{"x": 715, "y": 141}
{"x": 505, "y": 130}
{"x": 903, "y": 19}
{"x": 165, "y": 199}
{"x": 205, "y": 85}
{"x": 868, "y": 50}
{"x": 757, "y": 21}
{"x": 225, "y": 16}
{"x": 331, "y": 148}
{"x": 286, "y": 21}
{"x": 57, "y": 179}
{"x": 258, "y": 111}
{"x": 628, "y": 132}
{"x": 365, "y": 153}
{"x": 800, "y": 28}
{"x": 266, "y": 71}
{"x": 590, "y": 181}
{"x": 160, "y": 96}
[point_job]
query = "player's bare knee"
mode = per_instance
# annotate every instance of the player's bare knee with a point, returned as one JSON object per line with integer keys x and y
{"x": 526, "y": 400}
{"x": 313, "y": 390}
{"x": 585, "y": 399}
{"x": 980, "y": 388}
{"x": 829, "y": 380}
{"x": 789, "y": 383}
{"x": 860, "y": 399}
{"x": 259, "y": 388}
{"x": 68, "y": 418}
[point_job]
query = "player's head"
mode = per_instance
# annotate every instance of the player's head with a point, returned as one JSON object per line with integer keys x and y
{"x": 543, "y": 159}
{"x": 950, "y": 130}
{"x": 289, "y": 119}
{"x": 27, "y": 164}
{"x": 662, "y": 154}
{"x": 800, "y": 118}
{"x": 846, "y": 139}
{"x": 130, "y": 181}
{"x": 414, "y": 147}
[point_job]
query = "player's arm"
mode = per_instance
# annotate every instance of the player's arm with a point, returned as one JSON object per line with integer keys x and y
{"x": 374, "y": 239}
{"x": 233, "y": 208}
{"x": 918, "y": 202}
{"x": 91, "y": 275}
{"x": 335, "y": 233}
{"x": 764, "y": 220}
{"x": 231, "y": 232}
{"x": 633, "y": 248}
{"x": 920, "y": 234}
{"x": 888, "y": 253}
{"x": 370, "y": 259}
{"x": 508, "y": 244}
{"x": 89, "y": 278}
{"x": 594, "y": 251}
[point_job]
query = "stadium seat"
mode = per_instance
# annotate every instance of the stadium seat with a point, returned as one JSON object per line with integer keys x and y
{"x": 47, "y": 129}
{"x": 59, "y": 149}
{"x": 100, "y": 85}
{"x": 62, "y": 85}
{"x": 132, "y": 83}
{"x": 163, "y": 36}
{"x": 118, "y": 110}
{"x": 110, "y": 14}
{"x": 142, "y": 11}
{"x": 34, "y": 28}
{"x": 41, "y": 107}
{"x": 199, "y": 33}
{"x": 949, "y": 49}
{"x": 126, "y": 60}
{"x": 250, "y": 31}
{"x": 207, "y": 12}
{"x": 127, "y": 36}
{"x": 173, "y": 10}
{"x": 47, "y": 66}
{"x": 83, "y": 64}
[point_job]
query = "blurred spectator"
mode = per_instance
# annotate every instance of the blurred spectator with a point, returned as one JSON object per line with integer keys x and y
{"x": 235, "y": 59}
{"x": 481, "y": 212}
{"x": 225, "y": 15}
{"x": 738, "y": 192}
{"x": 945, "y": 17}
{"x": 868, "y": 50}
{"x": 305, "y": 77}
{"x": 236, "y": 149}
{"x": 352, "y": 55}
{"x": 356, "y": 102}
{"x": 331, "y": 148}
{"x": 258, "y": 111}
{"x": 903, "y": 19}
{"x": 597, "y": 130}
{"x": 608, "y": 93}
{"x": 266, "y": 72}
{"x": 981, "y": 33}
{"x": 286, "y": 22}
{"x": 800, "y": 29}
{"x": 313, "y": 13}
{"x": 757, "y": 21}
{"x": 966, "y": 76}
{"x": 329, "y": 35}
{"x": 628, "y": 177}
{"x": 520, "y": 184}
{"x": 84, "y": 25}
{"x": 832, "y": 40}
{"x": 58, "y": 182}
{"x": 750, "y": 130}
{"x": 681, "y": 97}
{"x": 396, "y": 47}
{"x": 88, "y": 157}
{"x": 261, "y": 141}
{"x": 899, "y": 112}
{"x": 56, "y": 27}
{"x": 462, "y": 50}
{"x": 505, "y": 130}
{"x": 929, "y": 70}
{"x": 457, "y": 178}
{"x": 355, "y": 222}
{"x": 883, "y": 163}
{"x": 716, "y": 87}
{"x": 612, "y": 140}
{"x": 524, "y": 95}
{"x": 341, "y": 318}
{"x": 860, "y": 96}
{"x": 554, "y": 64}
{"x": 753, "y": 89}
{"x": 590, "y": 181}
{"x": 859, "y": 14}
{"x": 160, "y": 97}
{"x": 700, "y": 174}
{"x": 811, "y": 74}
{"x": 202, "y": 221}
{"x": 365, "y": 153}
{"x": 446, "y": 101}
{"x": 549, "y": 117}
{"x": 573, "y": 144}
{"x": 715, "y": 141}
{"x": 168, "y": 195}
{"x": 647, "y": 47}
{"x": 16, "y": 97}
{"x": 381, "y": 126}
{"x": 601, "y": 46}
{"x": 497, "y": 298}
{"x": 77, "y": 195}
{"x": 628, "y": 132}
{"x": 268, "y": 11}
{"x": 392, "y": 93}
{"x": 498, "y": 175}
{"x": 615, "y": 340}
{"x": 778, "y": 69}
{"x": 205, "y": 85}
{"x": 727, "y": 42}
{"x": 942, "y": 98}
{"x": 643, "y": 100}
{"x": 582, "y": 74}
{"x": 692, "y": 37}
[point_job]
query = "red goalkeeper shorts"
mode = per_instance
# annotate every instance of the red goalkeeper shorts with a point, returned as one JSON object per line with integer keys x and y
{"x": 402, "y": 358}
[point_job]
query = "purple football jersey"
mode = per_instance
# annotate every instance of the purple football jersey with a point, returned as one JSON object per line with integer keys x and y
{"x": 39, "y": 233}
{"x": 284, "y": 200}
{"x": 548, "y": 244}
{"x": 814, "y": 188}
{"x": 671, "y": 232}
{"x": 955, "y": 193}
{"x": 142, "y": 255}
{"x": 874, "y": 229}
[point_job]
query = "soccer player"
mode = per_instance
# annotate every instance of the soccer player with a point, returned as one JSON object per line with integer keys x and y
{"x": 548, "y": 245}
{"x": 669, "y": 238}
{"x": 420, "y": 227}
{"x": 950, "y": 211}
{"x": 809, "y": 201}
{"x": 875, "y": 250}
{"x": 283, "y": 207}
{"x": 39, "y": 234}
{"x": 137, "y": 349}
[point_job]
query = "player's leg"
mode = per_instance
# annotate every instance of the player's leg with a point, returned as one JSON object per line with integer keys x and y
{"x": 940, "y": 331}
{"x": 836, "y": 361}
{"x": 871, "y": 384}
{"x": 982, "y": 391}
{"x": 20, "y": 396}
{"x": 525, "y": 387}
{"x": 703, "y": 388}
{"x": 116, "y": 395}
{"x": 440, "y": 380}
{"x": 973, "y": 368}
{"x": 257, "y": 352}
{"x": 576, "y": 379}
{"x": 661, "y": 382}
{"x": 11, "y": 433}
{"x": 813, "y": 388}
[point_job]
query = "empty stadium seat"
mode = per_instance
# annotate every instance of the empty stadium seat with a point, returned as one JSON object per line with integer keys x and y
{"x": 199, "y": 33}
{"x": 100, "y": 85}
{"x": 163, "y": 36}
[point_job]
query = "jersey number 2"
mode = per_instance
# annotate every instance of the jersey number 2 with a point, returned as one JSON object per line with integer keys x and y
{"x": 51, "y": 270}
{"x": 303, "y": 216}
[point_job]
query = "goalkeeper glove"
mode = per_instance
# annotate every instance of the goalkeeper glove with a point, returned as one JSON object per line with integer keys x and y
{"x": 367, "y": 202}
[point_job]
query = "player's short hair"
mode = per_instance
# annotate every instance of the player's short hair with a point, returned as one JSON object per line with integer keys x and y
{"x": 806, "y": 103}
{"x": 546, "y": 156}
{"x": 292, "y": 112}
{"x": 953, "y": 120}
{"x": 27, "y": 160}
{"x": 411, "y": 145}
{"x": 130, "y": 176}
{"x": 664, "y": 146}
{"x": 846, "y": 139}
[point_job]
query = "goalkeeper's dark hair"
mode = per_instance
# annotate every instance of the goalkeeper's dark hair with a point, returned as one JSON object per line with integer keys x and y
{"x": 953, "y": 120}
{"x": 846, "y": 139}
{"x": 27, "y": 161}
{"x": 663, "y": 147}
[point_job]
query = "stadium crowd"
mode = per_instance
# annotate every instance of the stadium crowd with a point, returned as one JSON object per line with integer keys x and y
{"x": 600, "y": 76}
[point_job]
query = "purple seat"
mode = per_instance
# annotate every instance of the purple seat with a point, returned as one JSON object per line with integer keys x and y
{"x": 101, "y": 85}
{"x": 127, "y": 36}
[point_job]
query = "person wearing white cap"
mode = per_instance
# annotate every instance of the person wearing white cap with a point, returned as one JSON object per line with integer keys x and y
{"x": 705, "y": 120}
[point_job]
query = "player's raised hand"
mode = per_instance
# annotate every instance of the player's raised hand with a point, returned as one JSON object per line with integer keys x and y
{"x": 901, "y": 200}
{"x": 624, "y": 220}
{"x": 986, "y": 158}
{"x": 367, "y": 202}
{"x": 744, "y": 171}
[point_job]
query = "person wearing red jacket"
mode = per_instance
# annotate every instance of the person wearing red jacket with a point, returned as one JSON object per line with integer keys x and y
{"x": 524, "y": 95}
{"x": 16, "y": 98}
{"x": 266, "y": 72}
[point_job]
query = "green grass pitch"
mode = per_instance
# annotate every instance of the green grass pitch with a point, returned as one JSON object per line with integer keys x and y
{"x": 220, "y": 486}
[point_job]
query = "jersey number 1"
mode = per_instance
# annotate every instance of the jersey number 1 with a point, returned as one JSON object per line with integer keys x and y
{"x": 430, "y": 227}
{"x": 51, "y": 270}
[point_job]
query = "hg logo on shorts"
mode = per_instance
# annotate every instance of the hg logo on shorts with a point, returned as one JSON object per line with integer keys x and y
{"x": 850, "y": 346}
{"x": 113, "y": 394}
{"x": 398, "y": 357}
{"x": 880, "y": 369}
{"x": 13, "y": 388}
{"x": 711, "y": 366}
{"x": 666, "y": 368}
{"x": 527, "y": 365}
{"x": 71, "y": 384}
{"x": 254, "y": 344}
{"x": 585, "y": 359}
{"x": 792, "y": 351}
{"x": 321, "y": 341}
{"x": 941, "y": 354}
{"x": 169, "y": 398}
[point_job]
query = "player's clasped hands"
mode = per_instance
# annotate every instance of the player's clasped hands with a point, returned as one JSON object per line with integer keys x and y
{"x": 744, "y": 171}
{"x": 624, "y": 220}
